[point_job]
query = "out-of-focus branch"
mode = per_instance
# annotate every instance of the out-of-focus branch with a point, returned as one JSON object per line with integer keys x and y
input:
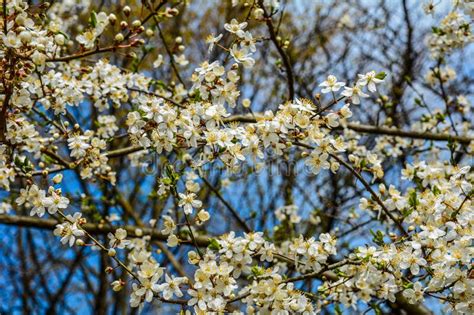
{"x": 127, "y": 207}
{"x": 286, "y": 60}
{"x": 409, "y": 134}
{"x": 234, "y": 212}
{"x": 372, "y": 192}
{"x": 87, "y": 53}
{"x": 50, "y": 224}
{"x": 374, "y": 130}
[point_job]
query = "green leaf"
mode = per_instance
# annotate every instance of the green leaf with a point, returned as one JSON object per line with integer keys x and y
{"x": 437, "y": 30}
{"x": 413, "y": 200}
{"x": 377, "y": 237}
{"x": 197, "y": 95}
{"x": 214, "y": 245}
{"x": 159, "y": 83}
{"x": 167, "y": 181}
{"x": 257, "y": 271}
{"x": 408, "y": 285}
{"x": 93, "y": 19}
{"x": 381, "y": 75}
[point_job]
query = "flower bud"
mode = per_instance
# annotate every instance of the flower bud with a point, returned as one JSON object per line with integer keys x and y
{"x": 136, "y": 23}
{"x": 111, "y": 252}
{"x": 112, "y": 18}
{"x": 172, "y": 241}
{"x": 25, "y": 37}
{"x": 126, "y": 10}
{"x": 203, "y": 215}
{"x": 258, "y": 13}
{"x": 149, "y": 32}
{"x": 123, "y": 25}
{"x": 172, "y": 12}
{"x": 58, "y": 178}
{"x": 20, "y": 19}
{"x": 119, "y": 37}
{"x": 59, "y": 39}
{"x": 117, "y": 285}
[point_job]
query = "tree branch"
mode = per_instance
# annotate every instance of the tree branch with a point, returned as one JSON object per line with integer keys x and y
{"x": 50, "y": 224}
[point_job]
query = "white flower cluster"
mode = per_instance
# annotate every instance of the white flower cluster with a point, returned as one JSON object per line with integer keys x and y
{"x": 454, "y": 32}
{"x": 430, "y": 257}
{"x": 231, "y": 258}
{"x": 439, "y": 251}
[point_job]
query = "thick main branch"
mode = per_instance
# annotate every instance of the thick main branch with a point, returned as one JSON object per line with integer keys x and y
{"x": 50, "y": 224}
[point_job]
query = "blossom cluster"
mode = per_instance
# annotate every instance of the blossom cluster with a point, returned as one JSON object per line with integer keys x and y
{"x": 422, "y": 249}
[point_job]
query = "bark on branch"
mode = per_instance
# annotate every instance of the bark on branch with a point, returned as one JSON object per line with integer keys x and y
{"x": 50, "y": 224}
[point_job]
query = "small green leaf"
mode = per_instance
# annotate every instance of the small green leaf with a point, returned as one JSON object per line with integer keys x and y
{"x": 257, "y": 271}
{"x": 381, "y": 75}
{"x": 377, "y": 237}
{"x": 93, "y": 19}
{"x": 413, "y": 200}
{"x": 214, "y": 245}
